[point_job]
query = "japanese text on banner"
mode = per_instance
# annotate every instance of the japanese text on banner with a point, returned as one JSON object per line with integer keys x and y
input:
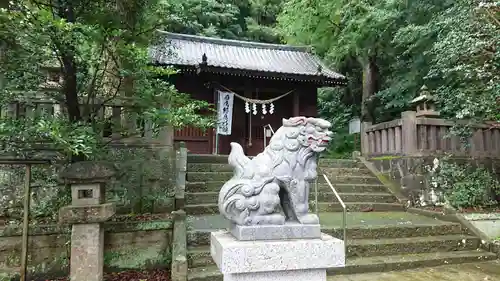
{"x": 225, "y": 113}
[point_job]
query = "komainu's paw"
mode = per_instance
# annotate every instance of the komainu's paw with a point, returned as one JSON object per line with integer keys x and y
{"x": 309, "y": 219}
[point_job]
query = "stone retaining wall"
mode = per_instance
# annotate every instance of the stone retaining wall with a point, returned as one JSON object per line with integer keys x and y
{"x": 128, "y": 245}
{"x": 410, "y": 174}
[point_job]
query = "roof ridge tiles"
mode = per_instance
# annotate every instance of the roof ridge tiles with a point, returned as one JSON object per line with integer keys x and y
{"x": 236, "y": 43}
{"x": 215, "y": 55}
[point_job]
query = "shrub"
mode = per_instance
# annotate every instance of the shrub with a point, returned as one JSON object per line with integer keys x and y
{"x": 465, "y": 186}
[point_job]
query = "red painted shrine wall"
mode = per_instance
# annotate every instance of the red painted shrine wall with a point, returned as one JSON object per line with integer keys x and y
{"x": 248, "y": 133}
{"x": 197, "y": 141}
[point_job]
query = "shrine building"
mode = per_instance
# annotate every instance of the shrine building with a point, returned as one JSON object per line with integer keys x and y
{"x": 254, "y": 85}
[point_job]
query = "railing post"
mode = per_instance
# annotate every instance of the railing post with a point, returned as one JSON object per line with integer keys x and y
{"x": 365, "y": 144}
{"x": 409, "y": 131}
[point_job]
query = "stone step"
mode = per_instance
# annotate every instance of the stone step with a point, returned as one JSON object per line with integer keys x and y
{"x": 211, "y": 186}
{"x": 392, "y": 231}
{"x": 209, "y": 273}
{"x": 207, "y": 158}
{"x": 217, "y": 167}
{"x": 324, "y": 162}
{"x": 201, "y": 238}
{"x": 382, "y": 231}
{"x": 350, "y": 179}
{"x": 208, "y": 167}
{"x": 374, "y": 264}
{"x": 351, "y": 188}
{"x": 208, "y": 176}
{"x": 193, "y": 198}
{"x": 360, "y": 225}
{"x": 211, "y": 208}
{"x": 225, "y": 176}
{"x": 200, "y": 256}
{"x": 202, "y": 209}
{"x": 374, "y": 197}
{"x": 409, "y": 261}
{"x": 345, "y": 171}
{"x": 411, "y": 245}
{"x": 358, "y": 207}
{"x": 340, "y": 163}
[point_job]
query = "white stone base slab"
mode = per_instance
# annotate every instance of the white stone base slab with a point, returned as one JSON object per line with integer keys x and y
{"x": 291, "y": 275}
{"x": 233, "y": 256}
{"x": 275, "y": 232}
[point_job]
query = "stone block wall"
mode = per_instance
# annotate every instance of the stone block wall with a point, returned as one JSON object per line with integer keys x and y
{"x": 128, "y": 245}
{"x": 411, "y": 175}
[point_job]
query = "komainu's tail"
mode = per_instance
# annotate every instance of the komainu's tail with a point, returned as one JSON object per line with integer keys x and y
{"x": 238, "y": 160}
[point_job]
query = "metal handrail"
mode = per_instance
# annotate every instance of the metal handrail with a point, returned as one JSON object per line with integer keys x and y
{"x": 344, "y": 208}
{"x": 264, "y": 128}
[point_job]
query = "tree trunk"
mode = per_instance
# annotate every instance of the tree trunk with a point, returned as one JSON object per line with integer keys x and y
{"x": 69, "y": 72}
{"x": 69, "y": 68}
{"x": 370, "y": 87}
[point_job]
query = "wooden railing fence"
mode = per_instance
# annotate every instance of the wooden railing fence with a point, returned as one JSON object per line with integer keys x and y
{"x": 422, "y": 136}
{"x": 120, "y": 123}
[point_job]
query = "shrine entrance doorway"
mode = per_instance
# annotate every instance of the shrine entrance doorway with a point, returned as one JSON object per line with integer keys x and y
{"x": 248, "y": 128}
{"x": 254, "y": 124}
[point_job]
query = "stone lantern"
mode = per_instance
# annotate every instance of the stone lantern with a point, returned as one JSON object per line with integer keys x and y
{"x": 425, "y": 104}
{"x": 86, "y": 214}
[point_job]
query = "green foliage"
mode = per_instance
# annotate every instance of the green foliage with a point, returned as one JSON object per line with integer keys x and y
{"x": 253, "y": 20}
{"x": 452, "y": 46}
{"x": 47, "y": 196}
{"x": 457, "y": 56}
{"x": 204, "y": 17}
{"x": 333, "y": 109}
{"x": 465, "y": 186}
{"x": 261, "y": 22}
{"x": 101, "y": 53}
{"x": 144, "y": 185}
{"x": 343, "y": 145}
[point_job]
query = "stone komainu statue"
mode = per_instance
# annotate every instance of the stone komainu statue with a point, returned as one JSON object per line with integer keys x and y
{"x": 273, "y": 187}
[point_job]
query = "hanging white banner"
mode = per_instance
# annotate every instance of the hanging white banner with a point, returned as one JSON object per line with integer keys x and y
{"x": 225, "y": 113}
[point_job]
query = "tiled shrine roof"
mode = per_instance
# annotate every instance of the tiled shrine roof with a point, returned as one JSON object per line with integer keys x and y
{"x": 233, "y": 57}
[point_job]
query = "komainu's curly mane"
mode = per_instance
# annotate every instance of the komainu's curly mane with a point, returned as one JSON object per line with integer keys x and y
{"x": 290, "y": 157}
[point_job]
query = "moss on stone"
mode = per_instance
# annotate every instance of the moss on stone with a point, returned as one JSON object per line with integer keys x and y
{"x": 393, "y": 188}
{"x": 137, "y": 258}
{"x": 127, "y": 226}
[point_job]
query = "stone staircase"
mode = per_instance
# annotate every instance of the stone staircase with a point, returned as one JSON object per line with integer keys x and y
{"x": 381, "y": 236}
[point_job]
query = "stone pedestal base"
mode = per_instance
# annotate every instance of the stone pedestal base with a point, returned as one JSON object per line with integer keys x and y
{"x": 276, "y": 260}
{"x": 87, "y": 246}
{"x": 275, "y": 232}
